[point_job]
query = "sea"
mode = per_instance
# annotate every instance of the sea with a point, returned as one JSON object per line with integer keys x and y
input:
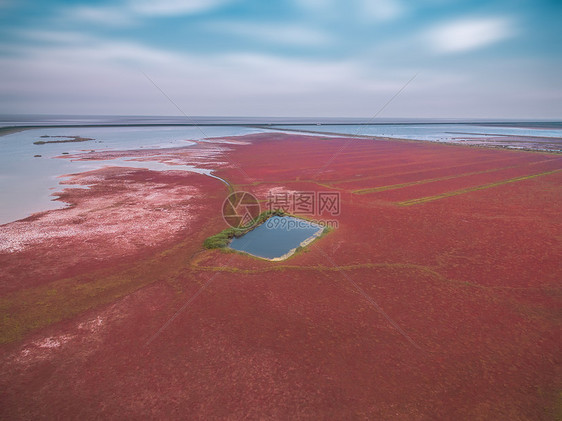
{"x": 31, "y": 173}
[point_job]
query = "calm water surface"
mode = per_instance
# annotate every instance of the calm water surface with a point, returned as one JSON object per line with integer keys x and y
{"x": 276, "y": 237}
{"x": 28, "y": 182}
{"x": 432, "y": 132}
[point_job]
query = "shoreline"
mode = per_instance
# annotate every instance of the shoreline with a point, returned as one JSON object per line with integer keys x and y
{"x": 83, "y": 162}
{"x": 444, "y": 142}
{"x": 292, "y": 251}
{"x": 7, "y": 130}
{"x": 303, "y": 244}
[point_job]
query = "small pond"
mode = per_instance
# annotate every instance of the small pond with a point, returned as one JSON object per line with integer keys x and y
{"x": 277, "y": 238}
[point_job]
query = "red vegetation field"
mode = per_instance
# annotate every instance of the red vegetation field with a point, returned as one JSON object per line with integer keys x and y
{"x": 437, "y": 297}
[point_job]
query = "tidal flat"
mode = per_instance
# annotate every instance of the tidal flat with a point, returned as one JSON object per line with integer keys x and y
{"x": 445, "y": 265}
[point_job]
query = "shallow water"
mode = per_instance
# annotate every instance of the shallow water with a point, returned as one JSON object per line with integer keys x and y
{"x": 433, "y": 132}
{"x": 27, "y": 182}
{"x": 276, "y": 237}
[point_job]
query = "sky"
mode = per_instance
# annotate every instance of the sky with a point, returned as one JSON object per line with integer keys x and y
{"x": 293, "y": 58}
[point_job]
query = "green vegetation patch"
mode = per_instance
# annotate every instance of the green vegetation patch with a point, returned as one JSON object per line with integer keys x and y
{"x": 223, "y": 238}
{"x": 62, "y": 139}
{"x": 33, "y": 308}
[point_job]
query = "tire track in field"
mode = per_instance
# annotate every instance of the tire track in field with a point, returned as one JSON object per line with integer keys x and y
{"x": 444, "y": 178}
{"x": 471, "y": 189}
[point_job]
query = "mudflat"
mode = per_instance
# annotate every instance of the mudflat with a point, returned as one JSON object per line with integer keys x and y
{"x": 437, "y": 296}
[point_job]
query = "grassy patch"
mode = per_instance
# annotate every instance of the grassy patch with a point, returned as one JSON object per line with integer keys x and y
{"x": 62, "y": 139}
{"x": 223, "y": 238}
{"x": 33, "y": 308}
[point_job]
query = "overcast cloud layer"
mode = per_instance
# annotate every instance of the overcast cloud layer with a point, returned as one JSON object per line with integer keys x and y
{"x": 473, "y": 59}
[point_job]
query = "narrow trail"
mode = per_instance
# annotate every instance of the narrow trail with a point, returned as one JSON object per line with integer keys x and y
{"x": 228, "y": 185}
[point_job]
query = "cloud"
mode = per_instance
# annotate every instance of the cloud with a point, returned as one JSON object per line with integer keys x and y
{"x": 468, "y": 34}
{"x": 129, "y": 12}
{"x": 47, "y": 36}
{"x": 362, "y": 10}
{"x": 103, "y": 76}
{"x": 174, "y": 7}
{"x": 273, "y": 73}
{"x": 315, "y": 5}
{"x": 106, "y": 15}
{"x": 282, "y": 34}
{"x": 90, "y": 70}
{"x": 381, "y": 10}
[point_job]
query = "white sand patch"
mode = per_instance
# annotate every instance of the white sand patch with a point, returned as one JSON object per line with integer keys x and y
{"x": 280, "y": 190}
{"x": 272, "y": 192}
{"x": 53, "y": 342}
{"x": 43, "y": 348}
{"x": 93, "y": 325}
{"x": 120, "y": 224}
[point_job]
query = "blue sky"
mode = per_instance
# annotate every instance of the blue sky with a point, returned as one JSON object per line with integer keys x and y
{"x": 473, "y": 59}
